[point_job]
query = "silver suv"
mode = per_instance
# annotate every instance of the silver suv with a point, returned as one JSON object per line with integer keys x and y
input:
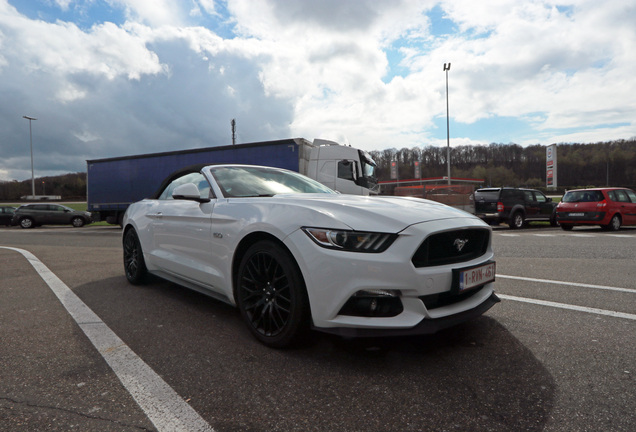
{"x": 32, "y": 215}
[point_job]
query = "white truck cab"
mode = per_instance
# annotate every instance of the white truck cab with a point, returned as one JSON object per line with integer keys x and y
{"x": 342, "y": 168}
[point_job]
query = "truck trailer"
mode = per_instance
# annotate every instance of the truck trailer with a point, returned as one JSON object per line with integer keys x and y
{"x": 115, "y": 183}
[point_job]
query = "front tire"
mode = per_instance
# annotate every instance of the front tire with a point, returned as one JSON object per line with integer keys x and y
{"x": 134, "y": 264}
{"x": 271, "y": 295}
{"x": 77, "y": 222}
{"x": 27, "y": 223}
{"x": 517, "y": 220}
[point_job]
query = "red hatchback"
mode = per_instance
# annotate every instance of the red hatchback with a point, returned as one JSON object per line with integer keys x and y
{"x": 608, "y": 207}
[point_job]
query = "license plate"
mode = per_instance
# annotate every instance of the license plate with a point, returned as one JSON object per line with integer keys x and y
{"x": 576, "y": 214}
{"x": 476, "y": 276}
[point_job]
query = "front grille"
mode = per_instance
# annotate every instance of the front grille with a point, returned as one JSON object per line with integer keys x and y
{"x": 452, "y": 247}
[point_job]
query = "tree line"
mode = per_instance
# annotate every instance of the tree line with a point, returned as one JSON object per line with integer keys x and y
{"x": 69, "y": 186}
{"x": 578, "y": 165}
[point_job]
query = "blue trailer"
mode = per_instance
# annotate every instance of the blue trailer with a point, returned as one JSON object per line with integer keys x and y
{"x": 115, "y": 183}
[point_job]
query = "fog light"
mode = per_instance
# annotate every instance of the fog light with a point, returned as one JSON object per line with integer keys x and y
{"x": 373, "y": 303}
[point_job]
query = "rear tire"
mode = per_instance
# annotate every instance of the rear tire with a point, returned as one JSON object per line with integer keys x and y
{"x": 566, "y": 227}
{"x": 134, "y": 264}
{"x": 615, "y": 223}
{"x": 271, "y": 295}
{"x": 517, "y": 220}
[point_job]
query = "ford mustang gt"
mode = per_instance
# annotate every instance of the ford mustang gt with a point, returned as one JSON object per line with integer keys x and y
{"x": 293, "y": 255}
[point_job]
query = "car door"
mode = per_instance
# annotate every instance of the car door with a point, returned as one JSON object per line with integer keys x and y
{"x": 545, "y": 207}
{"x": 181, "y": 233}
{"x": 56, "y": 215}
{"x": 40, "y": 213}
{"x": 627, "y": 204}
{"x": 531, "y": 205}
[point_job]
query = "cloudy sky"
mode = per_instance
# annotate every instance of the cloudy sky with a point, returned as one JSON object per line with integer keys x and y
{"x": 108, "y": 78}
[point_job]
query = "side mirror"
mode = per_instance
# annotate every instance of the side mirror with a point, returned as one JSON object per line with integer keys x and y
{"x": 549, "y": 199}
{"x": 188, "y": 192}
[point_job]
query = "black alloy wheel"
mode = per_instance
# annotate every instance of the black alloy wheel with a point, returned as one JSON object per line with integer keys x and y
{"x": 134, "y": 264}
{"x": 271, "y": 295}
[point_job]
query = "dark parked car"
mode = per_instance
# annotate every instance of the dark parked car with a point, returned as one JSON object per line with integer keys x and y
{"x": 6, "y": 214}
{"x": 513, "y": 206}
{"x": 608, "y": 207}
{"x": 31, "y": 215}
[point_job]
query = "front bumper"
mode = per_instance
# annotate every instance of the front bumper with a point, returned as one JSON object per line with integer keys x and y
{"x": 333, "y": 277}
{"x": 426, "y": 326}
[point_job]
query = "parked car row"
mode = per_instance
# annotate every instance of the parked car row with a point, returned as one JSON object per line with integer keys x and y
{"x": 610, "y": 208}
{"x": 32, "y": 215}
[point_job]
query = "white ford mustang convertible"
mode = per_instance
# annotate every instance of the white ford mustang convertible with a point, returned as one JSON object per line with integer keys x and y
{"x": 294, "y": 255}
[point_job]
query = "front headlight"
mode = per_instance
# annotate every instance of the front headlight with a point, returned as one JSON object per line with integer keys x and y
{"x": 352, "y": 241}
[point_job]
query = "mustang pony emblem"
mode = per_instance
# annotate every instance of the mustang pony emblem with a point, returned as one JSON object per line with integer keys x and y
{"x": 459, "y": 244}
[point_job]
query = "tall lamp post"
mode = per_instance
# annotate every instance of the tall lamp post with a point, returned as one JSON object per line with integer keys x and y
{"x": 446, "y": 69}
{"x": 30, "y": 119}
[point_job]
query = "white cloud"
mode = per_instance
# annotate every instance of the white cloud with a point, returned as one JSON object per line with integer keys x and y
{"x": 163, "y": 80}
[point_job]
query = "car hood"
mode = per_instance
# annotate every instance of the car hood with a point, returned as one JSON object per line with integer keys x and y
{"x": 375, "y": 213}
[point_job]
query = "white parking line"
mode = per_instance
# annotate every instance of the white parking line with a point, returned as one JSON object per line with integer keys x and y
{"x": 163, "y": 406}
{"x": 570, "y": 307}
{"x": 603, "y": 287}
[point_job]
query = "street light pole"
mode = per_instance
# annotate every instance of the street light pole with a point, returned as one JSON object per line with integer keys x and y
{"x": 446, "y": 69}
{"x": 30, "y": 119}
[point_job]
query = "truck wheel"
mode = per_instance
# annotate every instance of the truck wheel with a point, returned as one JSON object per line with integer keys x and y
{"x": 77, "y": 222}
{"x": 517, "y": 220}
{"x": 134, "y": 264}
{"x": 271, "y": 295}
{"x": 27, "y": 223}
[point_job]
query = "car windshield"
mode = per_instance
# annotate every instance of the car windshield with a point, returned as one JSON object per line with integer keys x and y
{"x": 245, "y": 181}
{"x": 582, "y": 196}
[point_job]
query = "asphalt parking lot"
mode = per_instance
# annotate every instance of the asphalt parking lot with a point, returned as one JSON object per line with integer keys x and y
{"x": 557, "y": 354}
